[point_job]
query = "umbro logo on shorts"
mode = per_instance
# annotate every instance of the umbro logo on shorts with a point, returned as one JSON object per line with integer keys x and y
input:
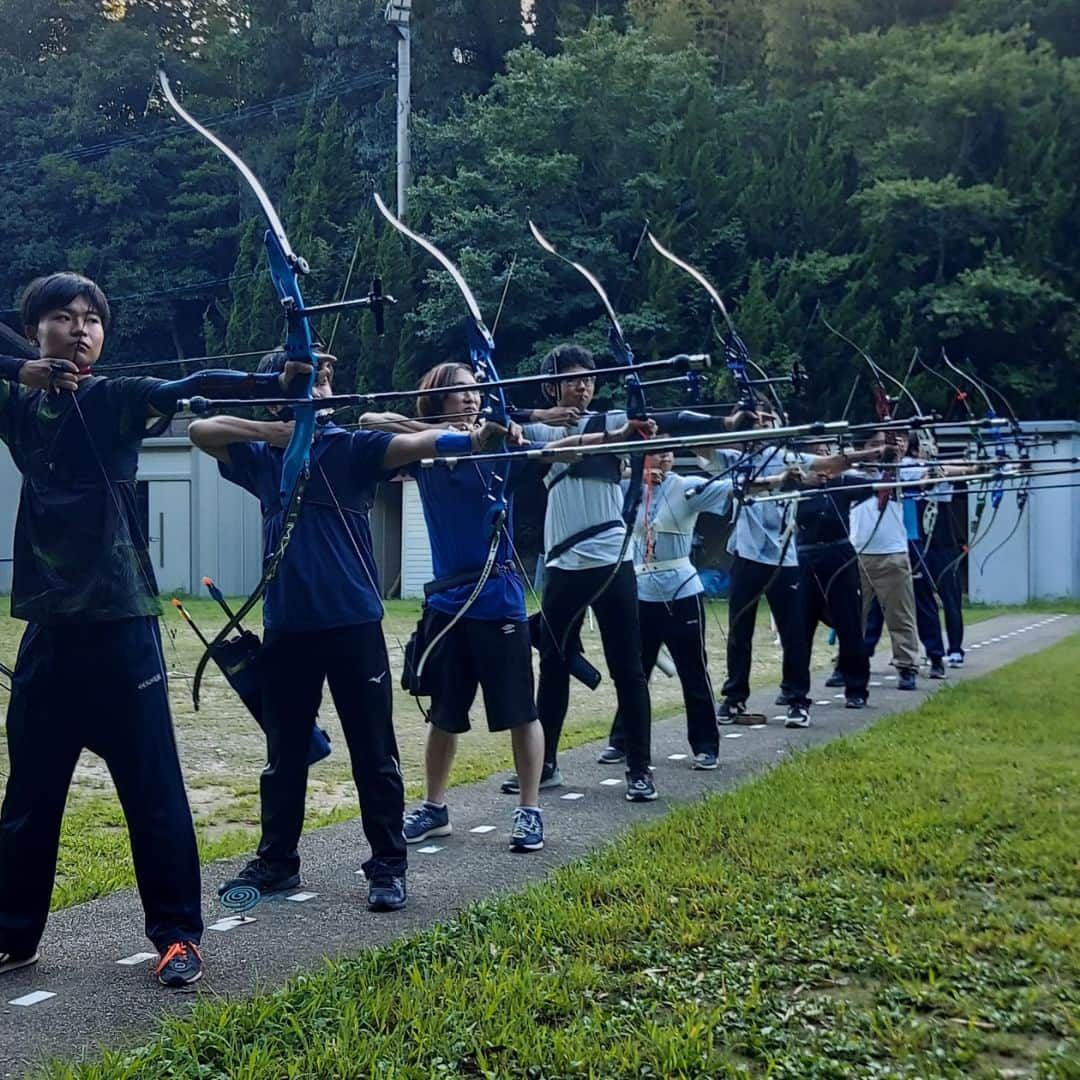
{"x": 377, "y": 678}
{"x": 508, "y": 628}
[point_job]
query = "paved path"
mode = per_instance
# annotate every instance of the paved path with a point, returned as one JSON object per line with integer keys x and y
{"x": 98, "y": 999}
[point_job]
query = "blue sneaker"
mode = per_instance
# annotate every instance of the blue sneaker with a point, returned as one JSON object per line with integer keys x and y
{"x": 426, "y": 821}
{"x": 180, "y": 964}
{"x": 528, "y": 831}
{"x": 386, "y": 892}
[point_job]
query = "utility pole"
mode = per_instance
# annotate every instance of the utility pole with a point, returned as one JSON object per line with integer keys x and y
{"x": 398, "y": 13}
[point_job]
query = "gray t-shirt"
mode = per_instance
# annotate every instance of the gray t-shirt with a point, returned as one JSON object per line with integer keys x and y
{"x": 759, "y": 528}
{"x": 575, "y": 503}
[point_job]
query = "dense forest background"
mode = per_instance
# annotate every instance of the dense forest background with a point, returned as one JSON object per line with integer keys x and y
{"x": 908, "y": 167}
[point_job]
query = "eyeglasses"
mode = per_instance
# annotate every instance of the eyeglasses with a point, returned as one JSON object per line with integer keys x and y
{"x": 578, "y": 380}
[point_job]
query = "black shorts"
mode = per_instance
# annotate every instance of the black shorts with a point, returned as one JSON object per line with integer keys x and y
{"x": 496, "y": 656}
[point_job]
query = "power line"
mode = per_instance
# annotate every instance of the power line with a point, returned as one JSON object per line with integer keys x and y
{"x": 246, "y": 115}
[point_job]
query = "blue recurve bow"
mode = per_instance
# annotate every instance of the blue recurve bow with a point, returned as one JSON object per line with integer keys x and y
{"x": 482, "y": 360}
{"x": 286, "y": 268}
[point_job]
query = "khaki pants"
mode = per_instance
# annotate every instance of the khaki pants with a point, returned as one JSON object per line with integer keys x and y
{"x": 888, "y": 577}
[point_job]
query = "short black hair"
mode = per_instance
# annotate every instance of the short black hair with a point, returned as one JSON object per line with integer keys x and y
{"x": 565, "y": 357}
{"x": 55, "y": 291}
{"x": 272, "y": 363}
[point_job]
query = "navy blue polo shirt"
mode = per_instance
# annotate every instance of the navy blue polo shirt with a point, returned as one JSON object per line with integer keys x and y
{"x": 327, "y": 577}
{"x": 455, "y": 505}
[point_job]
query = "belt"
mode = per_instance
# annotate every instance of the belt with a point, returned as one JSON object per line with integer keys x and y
{"x": 663, "y": 564}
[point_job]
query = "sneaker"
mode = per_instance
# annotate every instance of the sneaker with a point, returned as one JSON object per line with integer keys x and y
{"x": 955, "y": 659}
{"x": 180, "y": 964}
{"x": 705, "y": 761}
{"x": 263, "y": 876}
{"x": 386, "y": 893}
{"x": 550, "y": 777}
{"x": 835, "y": 679}
{"x": 798, "y": 716}
{"x": 427, "y": 820}
{"x": 610, "y": 755}
{"x": 856, "y": 701}
{"x": 906, "y": 679}
{"x": 640, "y": 787}
{"x": 937, "y": 669}
{"x": 527, "y": 833}
{"x": 729, "y": 711}
{"x": 11, "y": 962}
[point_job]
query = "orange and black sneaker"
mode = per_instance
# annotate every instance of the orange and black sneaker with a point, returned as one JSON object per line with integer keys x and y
{"x": 180, "y": 964}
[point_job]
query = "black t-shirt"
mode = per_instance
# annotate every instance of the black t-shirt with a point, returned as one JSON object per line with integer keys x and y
{"x": 823, "y": 517}
{"x": 80, "y": 554}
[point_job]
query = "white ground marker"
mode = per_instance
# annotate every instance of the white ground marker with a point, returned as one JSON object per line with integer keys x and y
{"x": 676, "y": 757}
{"x": 137, "y": 958}
{"x": 570, "y": 796}
{"x": 430, "y": 849}
{"x": 35, "y": 997}
{"x": 223, "y": 926}
{"x": 301, "y": 897}
{"x": 822, "y": 702}
{"x": 483, "y": 828}
{"x": 611, "y": 781}
{"x": 734, "y": 735}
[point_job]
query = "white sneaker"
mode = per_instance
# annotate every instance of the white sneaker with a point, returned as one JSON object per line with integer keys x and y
{"x": 955, "y": 659}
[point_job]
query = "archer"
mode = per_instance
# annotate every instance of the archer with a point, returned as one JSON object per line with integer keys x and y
{"x": 84, "y": 584}
{"x": 322, "y": 616}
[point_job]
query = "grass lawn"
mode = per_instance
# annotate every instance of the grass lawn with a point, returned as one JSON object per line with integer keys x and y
{"x": 901, "y": 903}
{"x": 223, "y": 751}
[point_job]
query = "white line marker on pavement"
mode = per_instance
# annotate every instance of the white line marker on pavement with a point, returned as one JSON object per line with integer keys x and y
{"x": 757, "y": 727}
{"x": 782, "y": 716}
{"x": 611, "y": 781}
{"x": 487, "y": 828}
{"x": 822, "y": 702}
{"x": 430, "y": 849}
{"x": 33, "y": 998}
{"x": 570, "y": 796}
{"x": 876, "y": 683}
{"x": 676, "y": 757}
{"x": 301, "y": 897}
{"x": 223, "y": 926}
{"x": 137, "y": 958}
{"x": 734, "y": 735}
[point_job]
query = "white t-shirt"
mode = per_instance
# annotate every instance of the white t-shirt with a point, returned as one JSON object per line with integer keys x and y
{"x": 673, "y": 507}
{"x": 882, "y": 532}
{"x": 575, "y": 503}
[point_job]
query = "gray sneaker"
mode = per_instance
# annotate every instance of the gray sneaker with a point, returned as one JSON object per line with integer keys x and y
{"x": 549, "y": 778}
{"x": 610, "y": 755}
{"x": 705, "y": 761}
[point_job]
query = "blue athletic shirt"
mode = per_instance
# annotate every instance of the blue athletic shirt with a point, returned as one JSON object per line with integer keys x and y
{"x": 321, "y": 583}
{"x": 454, "y": 509}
